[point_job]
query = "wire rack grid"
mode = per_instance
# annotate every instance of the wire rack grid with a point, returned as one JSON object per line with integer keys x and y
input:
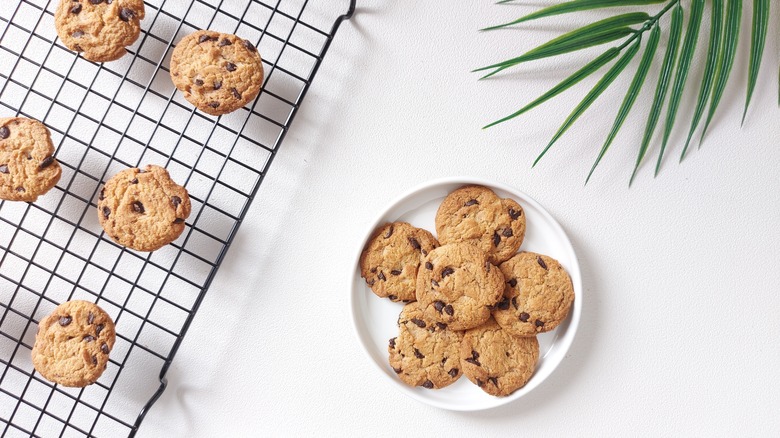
{"x": 107, "y": 117}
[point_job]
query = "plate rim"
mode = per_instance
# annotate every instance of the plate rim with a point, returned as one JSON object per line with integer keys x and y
{"x": 573, "y": 270}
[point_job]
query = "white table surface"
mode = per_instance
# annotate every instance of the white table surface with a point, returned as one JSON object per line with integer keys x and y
{"x": 680, "y": 273}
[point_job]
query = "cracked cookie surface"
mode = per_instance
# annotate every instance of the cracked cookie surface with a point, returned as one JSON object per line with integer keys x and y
{"x": 390, "y": 261}
{"x": 496, "y": 361}
{"x": 73, "y": 343}
{"x": 425, "y": 353}
{"x": 99, "y": 29}
{"x": 475, "y": 214}
{"x": 28, "y": 168}
{"x": 457, "y": 285}
{"x": 217, "y": 73}
{"x": 143, "y": 209}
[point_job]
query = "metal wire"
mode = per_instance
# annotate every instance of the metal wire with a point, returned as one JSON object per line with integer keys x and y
{"x": 107, "y": 117}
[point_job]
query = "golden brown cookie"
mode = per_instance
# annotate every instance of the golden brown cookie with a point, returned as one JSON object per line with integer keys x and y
{"x": 28, "y": 168}
{"x": 425, "y": 353}
{"x": 143, "y": 209}
{"x": 475, "y": 214}
{"x": 218, "y": 73}
{"x": 458, "y": 286}
{"x": 99, "y": 29}
{"x": 496, "y": 361}
{"x": 537, "y": 296}
{"x": 391, "y": 259}
{"x": 73, "y": 344}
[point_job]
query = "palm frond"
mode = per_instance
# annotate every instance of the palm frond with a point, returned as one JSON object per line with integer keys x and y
{"x": 757, "y": 43}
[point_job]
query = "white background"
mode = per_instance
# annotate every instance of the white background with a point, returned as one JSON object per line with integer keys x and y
{"x": 679, "y": 330}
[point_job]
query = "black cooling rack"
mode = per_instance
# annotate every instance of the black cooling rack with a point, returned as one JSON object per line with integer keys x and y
{"x": 107, "y": 117}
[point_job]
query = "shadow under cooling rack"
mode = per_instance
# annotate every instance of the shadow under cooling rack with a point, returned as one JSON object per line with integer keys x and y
{"x": 105, "y": 118}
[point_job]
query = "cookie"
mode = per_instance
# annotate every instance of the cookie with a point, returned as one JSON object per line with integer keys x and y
{"x": 73, "y": 344}
{"x": 99, "y": 29}
{"x": 391, "y": 259}
{"x": 143, "y": 209}
{"x": 496, "y": 361}
{"x": 426, "y": 353}
{"x": 475, "y": 214}
{"x": 28, "y": 168}
{"x": 458, "y": 286}
{"x": 218, "y": 73}
{"x": 537, "y": 296}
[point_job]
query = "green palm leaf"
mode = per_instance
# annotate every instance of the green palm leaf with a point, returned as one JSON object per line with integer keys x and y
{"x": 726, "y": 54}
{"x": 683, "y": 66}
{"x": 594, "y": 93}
{"x": 758, "y": 40}
{"x": 632, "y": 94}
{"x": 705, "y": 89}
{"x": 574, "y": 6}
{"x": 564, "y": 85}
{"x": 663, "y": 84}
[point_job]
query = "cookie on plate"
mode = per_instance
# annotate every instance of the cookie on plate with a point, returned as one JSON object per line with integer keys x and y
{"x": 73, "y": 344}
{"x": 391, "y": 259}
{"x": 475, "y": 214}
{"x": 143, "y": 209}
{"x": 537, "y": 297}
{"x": 28, "y": 168}
{"x": 99, "y": 29}
{"x": 218, "y": 73}
{"x": 457, "y": 285}
{"x": 426, "y": 353}
{"x": 496, "y": 361}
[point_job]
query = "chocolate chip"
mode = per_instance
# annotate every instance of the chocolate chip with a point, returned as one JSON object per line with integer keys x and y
{"x": 236, "y": 94}
{"x": 507, "y": 232}
{"x": 134, "y": 181}
{"x": 496, "y": 238}
{"x": 418, "y": 322}
{"x": 392, "y": 297}
{"x": 78, "y": 34}
{"x": 441, "y": 325}
{"x": 76, "y": 9}
{"x": 249, "y": 46}
{"x": 474, "y": 361}
{"x": 493, "y": 380}
{"x": 370, "y": 282}
{"x": 65, "y": 320}
{"x": 176, "y": 201}
{"x": 515, "y": 214}
{"x": 397, "y": 370}
{"x": 507, "y": 353}
{"x": 389, "y": 232}
{"x": 395, "y": 272}
{"x": 427, "y": 384}
{"x": 126, "y": 14}
{"x": 203, "y": 39}
{"x": 480, "y": 383}
{"x": 230, "y": 66}
{"x": 99, "y": 329}
{"x": 3, "y": 168}
{"x": 214, "y": 105}
{"x": 453, "y": 372}
{"x": 90, "y": 318}
{"x": 471, "y": 202}
{"x": 503, "y": 304}
{"x": 46, "y": 162}
{"x": 89, "y": 338}
{"x": 449, "y": 310}
{"x": 539, "y": 323}
{"x": 415, "y": 244}
{"x": 418, "y": 355}
{"x": 225, "y": 42}
{"x": 524, "y": 317}
{"x": 443, "y": 361}
{"x": 96, "y": 2}
{"x": 474, "y": 354}
{"x": 434, "y": 283}
{"x": 514, "y": 302}
{"x": 392, "y": 342}
{"x": 77, "y": 47}
{"x": 178, "y": 220}
{"x": 4, "y": 133}
{"x": 104, "y": 348}
{"x": 199, "y": 82}
{"x": 138, "y": 207}
{"x": 94, "y": 360}
{"x": 20, "y": 189}
{"x": 381, "y": 276}
{"x": 438, "y": 305}
{"x": 447, "y": 271}
{"x": 373, "y": 270}
{"x": 106, "y": 212}
{"x": 428, "y": 265}
{"x": 217, "y": 85}
{"x": 541, "y": 262}
{"x": 512, "y": 282}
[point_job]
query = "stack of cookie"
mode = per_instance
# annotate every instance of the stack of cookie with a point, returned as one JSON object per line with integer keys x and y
{"x": 474, "y": 305}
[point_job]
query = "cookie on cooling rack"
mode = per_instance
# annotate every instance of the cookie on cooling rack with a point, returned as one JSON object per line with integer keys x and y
{"x": 143, "y": 209}
{"x": 73, "y": 344}
{"x": 218, "y": 73}
{"x": 99, "y": 29}
{"x": 28, "y": 168}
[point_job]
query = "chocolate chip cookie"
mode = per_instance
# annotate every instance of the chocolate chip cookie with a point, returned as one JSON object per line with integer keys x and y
{"x": 477, "y": 215}
{"x": 458, "y": 286}
{"x": 426, "y": 352}
{"x": 496, "y": 361}
{"x": 537, "y": 296}
{"x": 391, "y": 259}
{"x": 73, "y": 344}
{"x": 28, "y": 168}
{"x": 99, "y": 29}
{"x": 143, "y": 209}
{"x": 218, "y": 73}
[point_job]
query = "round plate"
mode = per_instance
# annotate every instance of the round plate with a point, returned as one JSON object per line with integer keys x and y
{"x": 375, "y": 319}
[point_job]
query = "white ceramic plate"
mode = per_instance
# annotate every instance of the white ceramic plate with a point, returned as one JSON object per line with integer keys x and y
{"x": 375, "y": 319}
